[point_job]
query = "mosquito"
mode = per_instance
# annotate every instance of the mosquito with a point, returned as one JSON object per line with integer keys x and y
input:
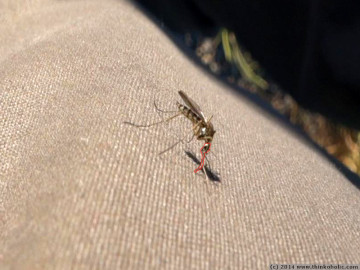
{"x": 203, "y": 129}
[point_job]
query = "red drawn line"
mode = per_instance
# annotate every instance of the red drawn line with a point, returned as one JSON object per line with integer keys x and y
{"x": 203, "y": 157}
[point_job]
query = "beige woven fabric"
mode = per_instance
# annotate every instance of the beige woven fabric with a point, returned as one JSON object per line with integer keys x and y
{"x": 81, "y": 190}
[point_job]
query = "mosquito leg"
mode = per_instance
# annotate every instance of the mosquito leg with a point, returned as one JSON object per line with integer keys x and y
{"x": 193, "y": 136}
{"x": 171, "y": 147}
{"x": 175, "y": 144}
{"x": 154, "y": 124}
{"x": 213, "y": 154}
{"x": 204, "y": 170}
{"x": 208, "y": 162}
{"x": 159, "y": 110}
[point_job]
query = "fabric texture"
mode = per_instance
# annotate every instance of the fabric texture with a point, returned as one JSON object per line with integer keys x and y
{"x": 79, "y": 189}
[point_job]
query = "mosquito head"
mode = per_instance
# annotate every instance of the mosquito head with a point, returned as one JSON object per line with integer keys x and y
{"x": 206, "y": 147}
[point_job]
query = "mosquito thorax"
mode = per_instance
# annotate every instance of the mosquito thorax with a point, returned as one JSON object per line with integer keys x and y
{"x": 203, "y": 131}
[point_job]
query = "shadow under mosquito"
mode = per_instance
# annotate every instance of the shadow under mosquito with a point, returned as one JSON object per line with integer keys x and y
{"x": 212, "y": 175}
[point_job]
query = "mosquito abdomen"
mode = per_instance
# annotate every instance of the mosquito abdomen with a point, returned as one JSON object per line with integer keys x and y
{"x": 188, "y": 114}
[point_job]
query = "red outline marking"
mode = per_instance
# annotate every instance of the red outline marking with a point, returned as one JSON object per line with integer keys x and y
{"x": 202, "y": 157}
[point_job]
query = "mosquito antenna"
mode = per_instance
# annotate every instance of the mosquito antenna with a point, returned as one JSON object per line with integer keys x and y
{"x": 153, "y": 124}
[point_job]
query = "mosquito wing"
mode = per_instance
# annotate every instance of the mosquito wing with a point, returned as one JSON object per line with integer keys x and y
{"x": 192, "y": 105}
